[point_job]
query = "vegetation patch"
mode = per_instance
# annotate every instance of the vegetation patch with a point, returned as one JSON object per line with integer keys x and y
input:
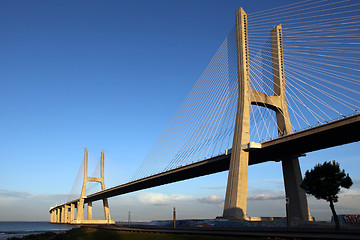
{"x": 87, "y": 233}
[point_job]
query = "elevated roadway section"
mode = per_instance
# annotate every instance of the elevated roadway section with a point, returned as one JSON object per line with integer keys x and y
{"x": 343, "y": 131}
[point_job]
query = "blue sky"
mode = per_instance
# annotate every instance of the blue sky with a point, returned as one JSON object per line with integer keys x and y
{"x": 110, "y": 75}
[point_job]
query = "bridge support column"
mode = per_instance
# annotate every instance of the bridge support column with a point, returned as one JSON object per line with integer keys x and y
{"x": 80, "y": 204}
{"x": 298, "y": 206}
{"x": 63, "y": 214}
{"x": 89, "y": 217}
{"x": 67, "y": 217}
{"x": 72, "y": 212}
{"x": 51, "y": 216}
{"x": 80, "y": 211}
{"x": 106, "y": 210}
{"x": 236, "y": 191}
{"x": 57, "y": 215}
{"x": 54, "y": 216}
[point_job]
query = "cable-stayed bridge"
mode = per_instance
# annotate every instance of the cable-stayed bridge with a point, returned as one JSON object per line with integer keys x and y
{"x": 284, "y": 82}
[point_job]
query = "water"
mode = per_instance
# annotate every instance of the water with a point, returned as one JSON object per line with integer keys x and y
{"x": 20, "y": 229}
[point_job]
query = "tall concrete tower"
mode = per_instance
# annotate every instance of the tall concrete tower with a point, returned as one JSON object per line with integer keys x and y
{"x": 236, "y": 192}
{"x": 80, "y": 206}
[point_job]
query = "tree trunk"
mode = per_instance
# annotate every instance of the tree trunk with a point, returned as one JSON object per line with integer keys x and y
{"x": 336, "y": 219}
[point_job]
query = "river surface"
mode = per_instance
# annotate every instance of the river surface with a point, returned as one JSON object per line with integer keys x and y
{"x": 20, "y": 229}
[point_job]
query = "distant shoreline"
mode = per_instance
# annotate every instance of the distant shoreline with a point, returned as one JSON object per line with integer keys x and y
{"x": 19, "y": 229}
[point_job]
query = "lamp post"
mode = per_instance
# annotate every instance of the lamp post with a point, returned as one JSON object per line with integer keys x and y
{"x": 174, "y": 217}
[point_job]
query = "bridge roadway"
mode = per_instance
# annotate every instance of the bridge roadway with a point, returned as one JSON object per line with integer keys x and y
{"x": 339, "y": 132}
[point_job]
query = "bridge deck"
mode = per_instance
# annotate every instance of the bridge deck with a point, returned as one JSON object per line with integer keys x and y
{"x": 331, "y": 134}
{"x": 339, "y": 132}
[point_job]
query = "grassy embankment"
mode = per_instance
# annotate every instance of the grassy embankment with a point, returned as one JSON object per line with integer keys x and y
{"x": 95, "y": 234}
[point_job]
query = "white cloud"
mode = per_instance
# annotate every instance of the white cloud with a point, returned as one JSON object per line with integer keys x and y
{"x": 211, "y": 200}
{"x": 266, "y": 197}
{"x": 349, "y": 193}
{"x": 160, "y": 199}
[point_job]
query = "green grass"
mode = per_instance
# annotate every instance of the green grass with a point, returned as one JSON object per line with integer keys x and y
{"x": 99, "y": 234}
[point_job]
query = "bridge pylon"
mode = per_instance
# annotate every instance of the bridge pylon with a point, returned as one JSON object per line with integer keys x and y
{"x": 80, "y": 219}
{"x": 236, "y": 192}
